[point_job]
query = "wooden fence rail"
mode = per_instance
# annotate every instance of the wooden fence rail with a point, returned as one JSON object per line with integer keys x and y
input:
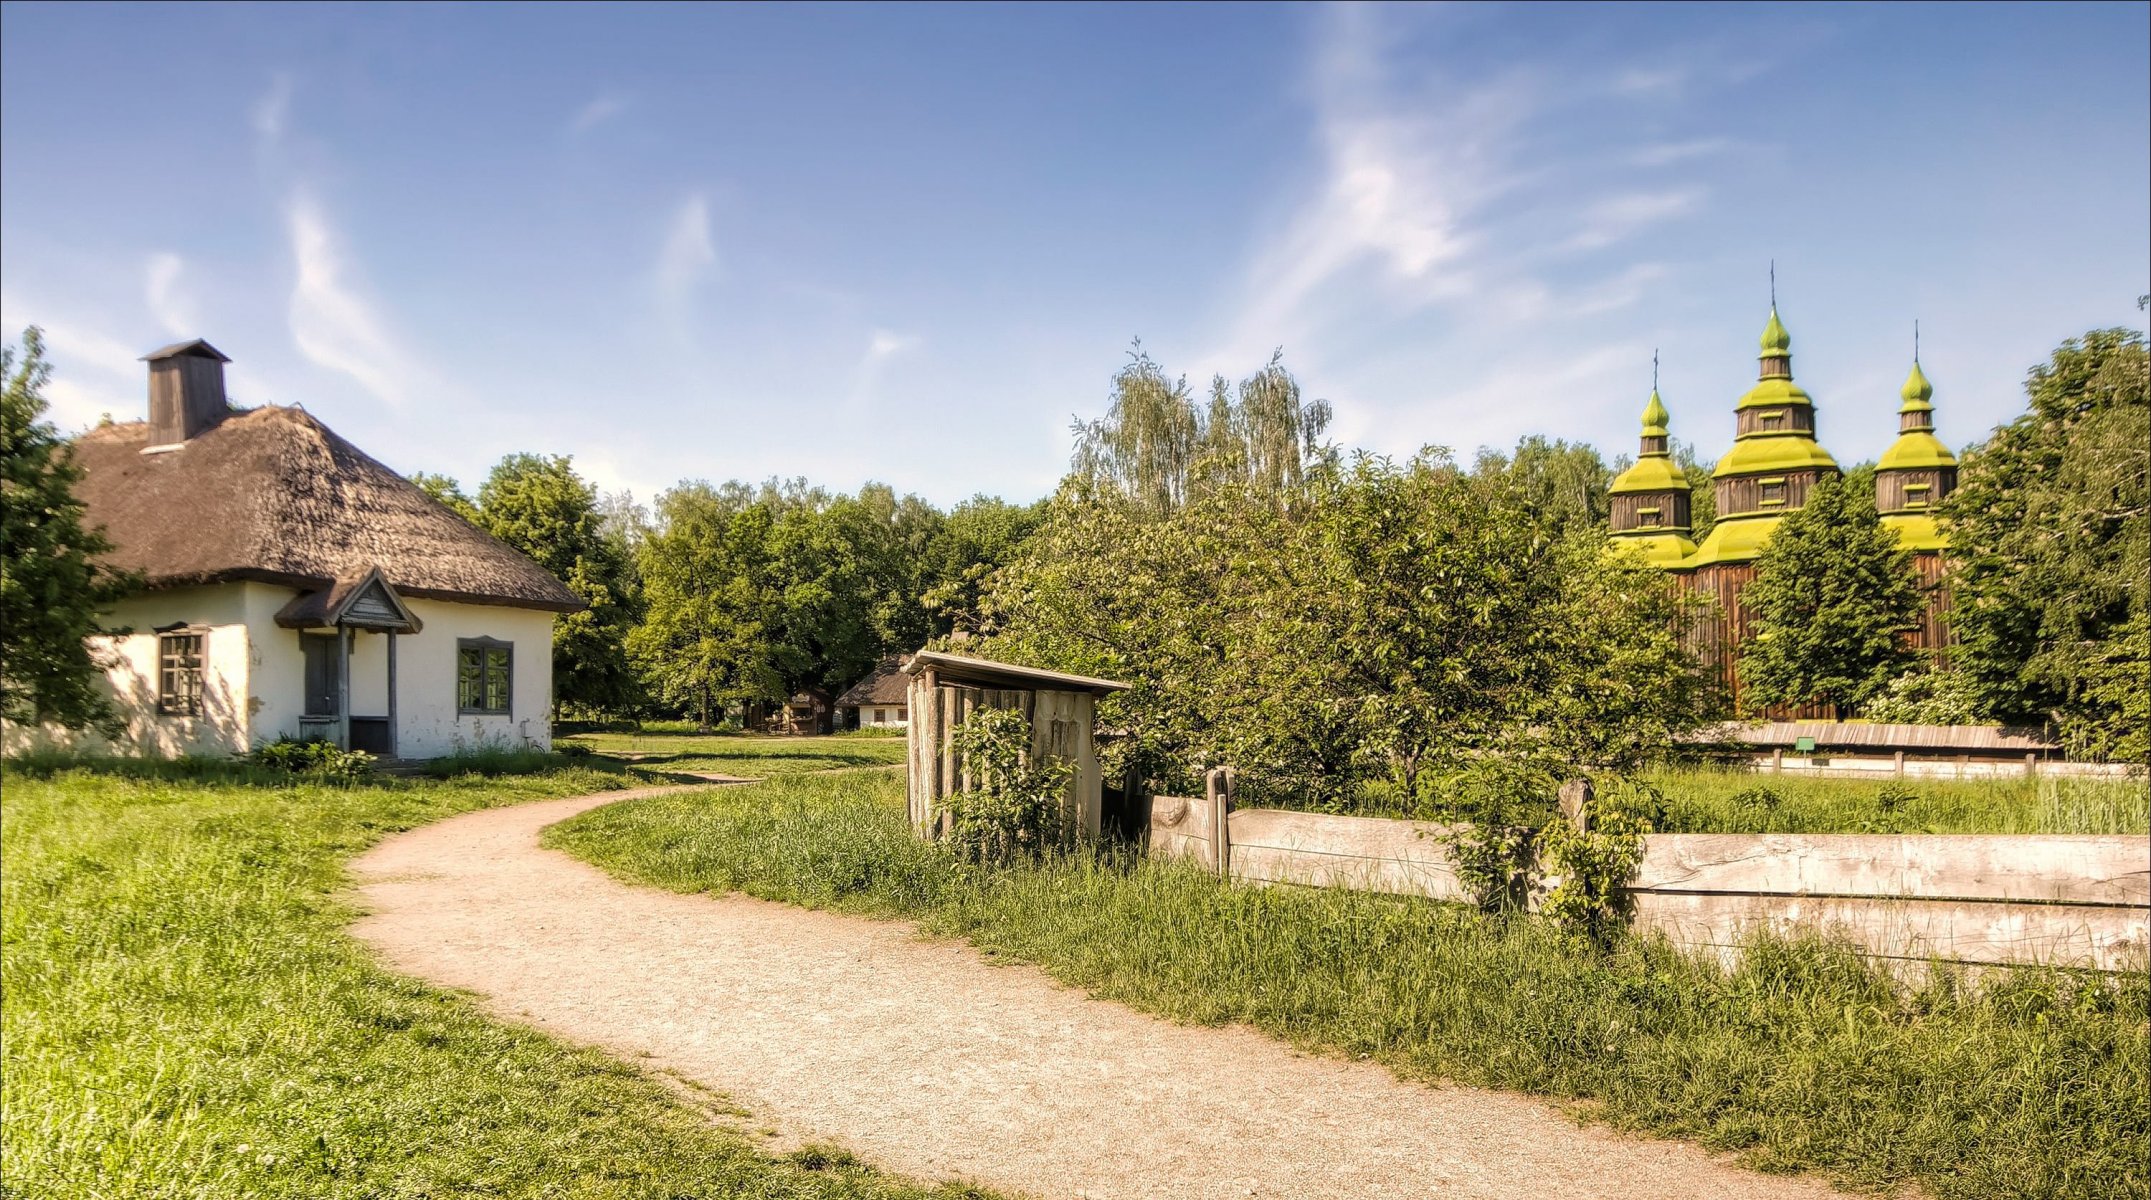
{"x": 2077, "y": 900}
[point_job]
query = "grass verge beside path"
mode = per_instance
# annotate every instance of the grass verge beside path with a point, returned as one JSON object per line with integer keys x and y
{"x": 184, "y": 1016}
{"x": 2037, "y": 1084}
{"x": 739, "y": 754}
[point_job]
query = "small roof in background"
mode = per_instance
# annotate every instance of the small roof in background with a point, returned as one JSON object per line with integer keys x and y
{"x": 978, "y": 672}
{"x": 885, "y": 684}
{"x": 194, "y": 349}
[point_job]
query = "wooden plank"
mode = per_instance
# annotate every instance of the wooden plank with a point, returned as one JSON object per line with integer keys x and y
{"x": 1090, "y": 778}
{"x": 2085, "y": 869}
{"x": 1181, "y": 826}
{"x": 1368, "y": 853}
{"x": 1962, "y": 931}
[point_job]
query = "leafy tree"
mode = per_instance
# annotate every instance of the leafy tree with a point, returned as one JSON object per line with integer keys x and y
{"x": 1393, "y": 625}
{"x": 2050, "y": 551}
{"x": 449, "y": 492}
{"x": 977, "y": 538}
{"x": 709, "y": 590}
{"x": 1159, "y": 450}
{"x": 541, "y": 507}
{"x": 1563, "y": 484}
{"x": 1833, "y": 596}
{"x": 52, "y": 586}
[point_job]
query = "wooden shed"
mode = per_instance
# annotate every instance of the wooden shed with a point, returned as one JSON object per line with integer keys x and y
{"x": 946, "y": 688}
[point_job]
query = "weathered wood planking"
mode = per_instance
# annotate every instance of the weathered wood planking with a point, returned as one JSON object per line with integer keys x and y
{"x": 1978, "y": 898}
{"x": 1365, "y": 853}
{"x": 1959, "y": 930}
{"x": 1180, "y": 827}
{"x": 2028, "y": 867}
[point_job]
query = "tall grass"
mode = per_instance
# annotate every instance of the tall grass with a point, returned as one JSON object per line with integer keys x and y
{"x": 1723, "y": 800}
{"x": 676, "y": 749}
{"x": 1805, "y": 1057}
{"x": 182, "y": 1015}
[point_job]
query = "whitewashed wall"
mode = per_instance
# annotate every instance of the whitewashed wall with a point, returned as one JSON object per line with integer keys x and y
{"x": 131, "y": 679}
{"x": 426, "y": 679}
{"x": 254, "y": 678}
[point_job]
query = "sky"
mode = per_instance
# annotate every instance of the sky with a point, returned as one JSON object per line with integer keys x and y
{"x": 911, "y": 244}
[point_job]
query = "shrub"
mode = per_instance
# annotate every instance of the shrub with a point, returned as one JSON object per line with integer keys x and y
{"x": 1924, "y": 696}
{"x": 1587, "y": 861}
{"x": 1014, "y": 806}
{"x": 318, "y": 760}
{"x": 1493, "y": 805}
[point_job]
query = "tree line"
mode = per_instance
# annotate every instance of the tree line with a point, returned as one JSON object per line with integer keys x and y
{"x": 1330, "y": 622}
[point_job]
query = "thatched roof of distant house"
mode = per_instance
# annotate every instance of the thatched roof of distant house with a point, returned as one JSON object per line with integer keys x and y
{"x": 887, "y": 684}
{"x": 271, "y": 494}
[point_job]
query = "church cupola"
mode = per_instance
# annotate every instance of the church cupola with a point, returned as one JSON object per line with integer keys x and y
{"x": 1650, "y": 499}
{"x": 1917, "y": 471}
{"x": 1774, "y": 461}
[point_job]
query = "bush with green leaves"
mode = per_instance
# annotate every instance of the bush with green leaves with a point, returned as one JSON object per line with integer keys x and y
{"x": 1927, "y": 696}
{"x": 1588, "y": 861}
{"x": 314, "y": 759}
{"x": 1014, "y": 803}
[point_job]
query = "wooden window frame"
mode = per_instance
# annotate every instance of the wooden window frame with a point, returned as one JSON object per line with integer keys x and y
{"x": 173, "y": 701}
{"x": 486, "y": 648}
{"x": 1762, "y": 492}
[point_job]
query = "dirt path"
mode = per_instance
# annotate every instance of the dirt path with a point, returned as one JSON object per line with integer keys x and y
{"x": 924, "y": 1059}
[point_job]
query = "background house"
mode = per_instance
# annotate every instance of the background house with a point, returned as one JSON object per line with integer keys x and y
{"x": 294, "y": 587}
{"x": 880, "y": 699}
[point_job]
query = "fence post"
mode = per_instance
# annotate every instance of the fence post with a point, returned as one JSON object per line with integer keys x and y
{"x": 1576, "y": 796}
{"x": 2031, "y": 765}
{"x": 1777, "y": 761}
{"x": 1217, "y": 788}
{"x": 1900, "y": 764}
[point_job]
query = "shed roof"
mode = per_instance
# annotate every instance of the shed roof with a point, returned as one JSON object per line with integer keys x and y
{"x": 197, "y": 348}
{"x": 978, "y": 672}
{"x": 272, "y": 494}
{"x": 1848, "y": 736}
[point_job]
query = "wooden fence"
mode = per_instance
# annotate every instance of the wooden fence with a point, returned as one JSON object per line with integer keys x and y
{"x": 1973, "y": 898}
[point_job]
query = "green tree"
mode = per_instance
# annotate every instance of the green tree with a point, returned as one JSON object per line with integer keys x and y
{"x": 52, "y": 585}
{"x": 445, "y": 489}
{"x": 541, "y": 507}
{"x": 1159, "y": 450}
{"x": 710, "y": 593}
{"x": 1564, "y": 485}
{"x": 976, "y": 539}
{"x": 2050, "y": 551}
{"x": 1833, "y": 597}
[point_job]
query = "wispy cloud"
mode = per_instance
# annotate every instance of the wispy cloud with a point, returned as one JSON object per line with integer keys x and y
{"x": 688, "y": 257}
{"x": 885, "y": 343}
{"x": 272, "y": 112}
{"x": 332, "y": 322}
{"x": 1660, "y": 154}
{"x": 168, "y": 303}
{"x": 1608, "y": 221}
{"x": 93, "y": 373}
{"x": 1645, "y": 81}
{"x": 600, "y": 110}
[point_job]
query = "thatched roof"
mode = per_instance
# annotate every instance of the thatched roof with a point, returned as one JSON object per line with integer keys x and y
{"x": 272, "y": 494}
{"x": 887, "y": 684}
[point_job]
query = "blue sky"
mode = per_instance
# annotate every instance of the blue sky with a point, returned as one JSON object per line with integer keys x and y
{"x": 909, "y": 244}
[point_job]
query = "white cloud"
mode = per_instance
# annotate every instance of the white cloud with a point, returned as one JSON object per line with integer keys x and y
{"x": 884, "y": 343}
{"x": 93, "y": 373}
{"x": 1608, "y": 221}
{"x": 272, "y": 112}
{"x": 1646, "y": 82}
{"x": 168, "y": 303}
{"x": 1660, "y": 154}
{"x": 332, "y": 322}
{"x": 687, "y": 258}
{"x": 600, "y": 110}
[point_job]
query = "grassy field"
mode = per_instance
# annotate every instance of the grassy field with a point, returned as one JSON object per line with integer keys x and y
{"x": 680, "y": 748}
{"x": 185, "y": 1017}
{"x": 2037, "y": 1084}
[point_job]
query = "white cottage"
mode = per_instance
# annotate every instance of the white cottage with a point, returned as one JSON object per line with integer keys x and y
{"x": 297, "y": 588}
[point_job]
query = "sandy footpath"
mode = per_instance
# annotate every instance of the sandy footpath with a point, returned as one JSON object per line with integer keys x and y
{"x": 925, "y": 1059}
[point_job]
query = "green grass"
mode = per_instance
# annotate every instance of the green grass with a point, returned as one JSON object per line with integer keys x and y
{"x": 1719, "y": 800}
{"x": 184, "y": 1016}
{"x": 677, "y": 748}
{"x": 2036, "y": 1083}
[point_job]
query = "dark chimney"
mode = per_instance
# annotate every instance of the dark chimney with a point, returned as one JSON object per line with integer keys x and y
{"x": 186, "y": 392}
